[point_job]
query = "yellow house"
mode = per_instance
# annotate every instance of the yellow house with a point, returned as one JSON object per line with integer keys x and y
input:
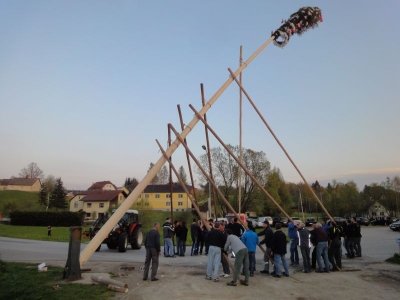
{"x": 20, "y": 184}
{"x": 158, "y": 197}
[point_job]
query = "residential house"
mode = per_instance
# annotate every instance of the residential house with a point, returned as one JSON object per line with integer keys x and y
{"x": 20, "y": 184}
{"x": 378, "y": 211}
{"x": 100, "y": 198}
{"x": 158, "y": 197}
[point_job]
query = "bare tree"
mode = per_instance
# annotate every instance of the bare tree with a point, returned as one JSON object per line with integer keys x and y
{"x": 31, "y": 171}
{"x": 163, "y": 175}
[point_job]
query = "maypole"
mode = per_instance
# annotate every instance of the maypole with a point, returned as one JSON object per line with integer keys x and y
{"x": 304, "y": 19}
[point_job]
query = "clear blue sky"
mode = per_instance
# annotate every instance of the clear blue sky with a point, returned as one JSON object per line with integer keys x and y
{"x": 87, "y": 86}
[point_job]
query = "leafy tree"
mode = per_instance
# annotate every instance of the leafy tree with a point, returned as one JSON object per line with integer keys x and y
{"x": 131, "y": 183}
{"x": 31, "y": 171}
{"x": 44, "y": 195}
{"x": 58, "y": 196}
{"x": 182, "y": 174}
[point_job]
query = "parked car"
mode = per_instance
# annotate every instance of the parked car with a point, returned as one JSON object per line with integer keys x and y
{"x": 395, "y": 226}
{"x": 253, "y": 222}
{"x": 362, "y": 221}
{"x": 340, "y": 220}
{"x": 378, "y": 221}
{"x": 260, "y": 221}
{"x": 310, "y": 221}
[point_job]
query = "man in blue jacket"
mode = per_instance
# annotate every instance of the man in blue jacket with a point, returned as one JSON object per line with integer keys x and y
{"x": 250, "y": 239}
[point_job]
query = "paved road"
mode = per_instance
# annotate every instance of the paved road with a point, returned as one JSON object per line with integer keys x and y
{"x": 378, "y": 243}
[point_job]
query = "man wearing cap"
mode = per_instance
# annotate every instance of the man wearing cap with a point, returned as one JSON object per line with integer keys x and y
{"x": 268, "y": 234}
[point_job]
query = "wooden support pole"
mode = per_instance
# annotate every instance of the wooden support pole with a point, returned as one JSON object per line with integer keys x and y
{"x": 194, "y": 202}
{"x": 212, "y": 191}
{"x": 134, "y": 195}
{"x": 280, "y": 144}
{"x": 187, "y": 155}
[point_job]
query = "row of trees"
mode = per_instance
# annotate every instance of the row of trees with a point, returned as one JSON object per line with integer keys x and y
{"x": 340, "y": 199}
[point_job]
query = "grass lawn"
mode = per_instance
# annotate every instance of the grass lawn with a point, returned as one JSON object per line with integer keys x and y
{"x": 59, "y": 234}
{"x": 23, "y": 281}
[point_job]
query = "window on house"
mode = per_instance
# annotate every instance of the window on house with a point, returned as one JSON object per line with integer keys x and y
{"x": 382, "y": 213}
{"x": 180, "y": 195}
{"x": 168, "y": 196}
{"x": 168, "y": 203}
{"x": 88, "y": 215}
{"x": 89, "y": 205}
{"x": 146, "y": 195}
{"x": 146, "y": 204}
{"x": 76, "y": 205}
{"x": 101, "y": 204}
{"x": 157, "y": 196}
{"x": 180, "y": 203}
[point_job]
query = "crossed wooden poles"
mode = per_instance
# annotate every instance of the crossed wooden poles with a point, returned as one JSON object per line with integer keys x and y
{"x": 181, "y": 139}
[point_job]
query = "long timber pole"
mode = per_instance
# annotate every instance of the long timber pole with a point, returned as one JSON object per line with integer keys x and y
{"x": 117, "y": 215}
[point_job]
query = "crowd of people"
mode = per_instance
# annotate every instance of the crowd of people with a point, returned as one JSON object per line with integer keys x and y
{"x": 320, "y": 248}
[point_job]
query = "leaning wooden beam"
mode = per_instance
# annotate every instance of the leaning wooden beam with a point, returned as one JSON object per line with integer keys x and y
{"x": 203, "y": 102}
{"x": 194, "y": 202}
{"x": 279, "y": 143}
{"x": 187, "y": 155}
{"x": 117, "y": 215}
{"x": 205, "y": 173}
{"x": 240, "y": 163}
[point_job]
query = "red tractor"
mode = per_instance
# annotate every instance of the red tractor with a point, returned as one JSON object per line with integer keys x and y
{"x": 127, "y": 231}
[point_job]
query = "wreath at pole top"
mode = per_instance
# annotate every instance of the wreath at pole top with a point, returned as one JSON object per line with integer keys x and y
{"x": 299, "y": 22}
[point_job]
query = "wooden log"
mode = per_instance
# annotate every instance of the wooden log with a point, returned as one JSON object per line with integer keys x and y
{"x": 107, "y": 281}
{"x": 116, "y": 288}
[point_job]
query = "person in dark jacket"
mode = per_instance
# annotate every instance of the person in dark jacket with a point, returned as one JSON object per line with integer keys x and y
{"x": 294, "y": 242}
{"x": 335, "y": 234}
{"x": 314, "y": 242}
{"x": 279, "y": 250}
{"x": 305, "y": 245}
{"x": 216, "y": 241}
{"x": 168, "y": 234}
{"x": 268, "y": 234}
{"x": 322, "y": 248}
{"x": 153, "y": 249}
{"x": 201, "y": 236}
{"x": 356, "y": 237}
{"x": 181, "y": 237}
{"x": 237, "y": 228}
{"x": 194, "y": 233}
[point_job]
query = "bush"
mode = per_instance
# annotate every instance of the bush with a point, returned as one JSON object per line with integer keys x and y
{"x": 28, "y": 218}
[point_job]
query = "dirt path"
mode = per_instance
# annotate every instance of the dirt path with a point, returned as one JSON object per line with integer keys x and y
{"x": 361, "y": 278}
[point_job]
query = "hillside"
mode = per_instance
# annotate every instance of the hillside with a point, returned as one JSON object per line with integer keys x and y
{"x": 17, "y": 200}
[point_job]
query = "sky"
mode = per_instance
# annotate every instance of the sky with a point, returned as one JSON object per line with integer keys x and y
{"x": 87, "y": 86}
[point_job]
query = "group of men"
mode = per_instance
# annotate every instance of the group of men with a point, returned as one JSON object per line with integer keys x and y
{"x": 233, "y": 238}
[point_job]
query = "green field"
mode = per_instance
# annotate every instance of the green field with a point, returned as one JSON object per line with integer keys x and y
{"x": 23, "y": 281}
{"x": 17, "y": 200}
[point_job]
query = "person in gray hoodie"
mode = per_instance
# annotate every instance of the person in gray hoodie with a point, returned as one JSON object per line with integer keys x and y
{"x": 241, "y": 258}
{"x": 305, "y": 245}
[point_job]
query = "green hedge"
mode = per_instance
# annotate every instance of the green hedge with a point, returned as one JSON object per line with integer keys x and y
{"x": 29, "y": 218}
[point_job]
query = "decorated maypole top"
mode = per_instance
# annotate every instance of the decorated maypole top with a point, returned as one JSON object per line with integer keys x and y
{"x": 299, "y": 22}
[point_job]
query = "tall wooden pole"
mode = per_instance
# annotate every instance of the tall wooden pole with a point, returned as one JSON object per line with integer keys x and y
{"x": 240, "y": 134}
{"x": 117, "y": 215}
{"x": 171, "y": 191}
